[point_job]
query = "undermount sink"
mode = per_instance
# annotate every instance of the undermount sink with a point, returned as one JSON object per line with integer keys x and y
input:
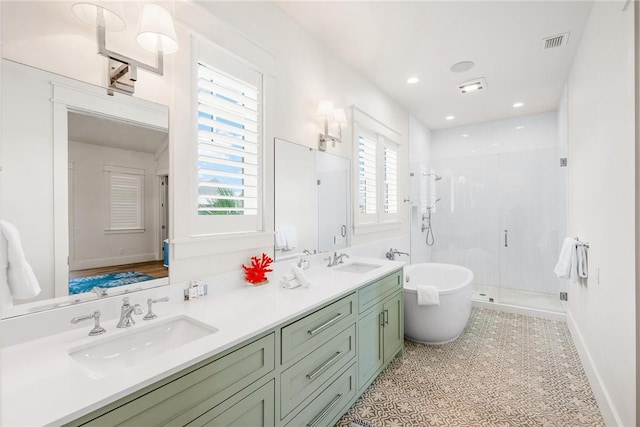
{"x": 138, "y": 345}
{"x": 357, "y": 267}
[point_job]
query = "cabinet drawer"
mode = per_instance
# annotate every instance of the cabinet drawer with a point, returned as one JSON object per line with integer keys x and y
{"x": 306, "y": 334}
{"x": 378, "y": 290}
{"x": 301, "y": 379}
{"x": 330, "y": 403}
{"x": 198, "y": 391}
{"x": 254, "y": 408}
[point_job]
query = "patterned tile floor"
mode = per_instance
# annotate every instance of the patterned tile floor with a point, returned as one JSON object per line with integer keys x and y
{"x": 504, "y": 370}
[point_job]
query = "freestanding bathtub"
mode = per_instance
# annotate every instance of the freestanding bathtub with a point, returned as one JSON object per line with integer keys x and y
{"x": 437, "y": 324}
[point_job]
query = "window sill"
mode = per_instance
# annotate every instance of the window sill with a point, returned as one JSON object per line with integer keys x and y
{"x": 212, "y": 244}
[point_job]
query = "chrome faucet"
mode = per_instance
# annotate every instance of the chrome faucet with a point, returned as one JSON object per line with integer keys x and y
{"x": 391, "y": 255}
{"x": 150, "y": 314}
{"x": 337, "y": 259}
{"x": 97, "y": 329}
{"x": 127, "y": 310}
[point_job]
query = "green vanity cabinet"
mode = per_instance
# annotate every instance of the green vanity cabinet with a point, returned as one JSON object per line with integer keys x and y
{"x": 393, "y": 325}
{"x": 307, "y": 371}
{"x": 185, "y": 396}
{"x": 370, "y": 339}
{"x": 380, "y": 326}
{"x": 252, "y": 407}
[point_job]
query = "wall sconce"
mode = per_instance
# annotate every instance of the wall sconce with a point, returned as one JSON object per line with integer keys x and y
{"x": 156, "y": 33}
{"x": 326, "y": 112}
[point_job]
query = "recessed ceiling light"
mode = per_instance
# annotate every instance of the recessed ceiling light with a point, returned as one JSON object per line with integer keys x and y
{"x": 518, "y": 104}
{"x": 519, "y": 127}
{"x": 413, "y": 80}
{"x": 449, "y": 118}
{"x": 461, "y": 67}
{"x": 495, "y": 144}
{"x": 464, "y": 135}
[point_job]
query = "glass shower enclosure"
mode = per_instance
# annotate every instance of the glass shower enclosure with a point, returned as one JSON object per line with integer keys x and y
{"x": 501, "y": 209}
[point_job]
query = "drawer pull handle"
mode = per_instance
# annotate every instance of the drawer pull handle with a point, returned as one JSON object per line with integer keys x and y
{"x": 325, "y": 325}
{"x": 320, "y": 369}
{"x": 316, "y": 420}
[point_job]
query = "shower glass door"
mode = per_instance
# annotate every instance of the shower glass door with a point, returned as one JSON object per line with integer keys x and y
{"x": 502, "y": 215}
{"x": 532, "y": 225}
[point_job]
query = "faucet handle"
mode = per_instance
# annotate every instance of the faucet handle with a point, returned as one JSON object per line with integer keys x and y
{"x": 150, "y": 314}
{"x": 97, "y": 329}
{"x": 125, "y": 301}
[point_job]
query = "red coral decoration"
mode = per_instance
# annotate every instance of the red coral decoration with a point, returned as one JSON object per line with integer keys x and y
{"x": 259, "y": 267}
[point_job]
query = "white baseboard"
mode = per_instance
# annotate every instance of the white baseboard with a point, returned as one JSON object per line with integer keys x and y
{"x": 531, "y": 312}
{"x": 607, "y": 409}
{"x": 107, "y": 262}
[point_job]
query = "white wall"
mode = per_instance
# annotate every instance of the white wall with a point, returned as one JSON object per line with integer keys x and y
{"x": 299, "y": 73}
{"x": 601, "y": 117}
{"x": 27, "y": 154}
{"x": 92, "y": 247}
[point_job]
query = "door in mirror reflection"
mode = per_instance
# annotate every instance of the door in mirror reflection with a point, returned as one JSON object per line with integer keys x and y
{"x": 295, "y": 200}
{"x": 333, "y": 201}
{"x": 116, "y": 202}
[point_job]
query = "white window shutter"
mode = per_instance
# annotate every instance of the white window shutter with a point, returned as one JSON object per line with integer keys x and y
{"x": 390, "y": 167}
{"x": 367, "y": 173}
{"x": 229, "y": 139}
{"x": 126, "y": 198}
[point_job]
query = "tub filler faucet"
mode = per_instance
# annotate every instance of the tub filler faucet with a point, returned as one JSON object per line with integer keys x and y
{"x": 391, "y": 255}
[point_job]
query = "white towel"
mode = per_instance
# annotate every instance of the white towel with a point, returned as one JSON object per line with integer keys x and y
{"x": 289, "y": 281}
{"x": 20, "y": 277}
{"x": 428, "y": 295}
{"x": 281, "y": 240}
{"x": 567, "y": 259}
{"x": 581, "y": 261}
{"x": 299, "y": 275}
{"x": 291, "y": 237}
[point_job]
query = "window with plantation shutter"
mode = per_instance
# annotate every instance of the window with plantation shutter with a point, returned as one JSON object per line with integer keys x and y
{"x": 390, "y": 167}
{"x": 377, "y": 162}
{"x": 229, "y": 142}
{"x": 367, "y": 173}
{"x": 126, "y": 198}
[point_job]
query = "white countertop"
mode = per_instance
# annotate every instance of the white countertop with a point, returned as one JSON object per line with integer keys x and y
{"x": 43, "y": 385}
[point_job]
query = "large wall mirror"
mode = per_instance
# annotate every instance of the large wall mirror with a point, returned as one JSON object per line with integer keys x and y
{"x": 85, "y": 181}
{"x": 312, "y": 200}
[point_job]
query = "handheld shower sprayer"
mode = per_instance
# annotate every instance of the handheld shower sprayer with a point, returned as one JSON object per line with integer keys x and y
{"x": 437, "y": 177}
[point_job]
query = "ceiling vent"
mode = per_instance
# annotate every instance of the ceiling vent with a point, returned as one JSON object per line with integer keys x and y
{"x": 555, "y": 41}
{"x": 472, "y": 85}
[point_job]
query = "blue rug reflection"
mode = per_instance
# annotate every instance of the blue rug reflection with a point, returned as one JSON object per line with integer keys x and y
{"x": 110, "y": 280}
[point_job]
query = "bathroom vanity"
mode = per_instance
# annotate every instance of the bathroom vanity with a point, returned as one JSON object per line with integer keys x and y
{"x": 272, "y": 357}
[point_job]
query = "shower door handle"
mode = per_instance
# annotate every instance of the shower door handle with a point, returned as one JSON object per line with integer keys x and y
{"x": 506, "y": 238}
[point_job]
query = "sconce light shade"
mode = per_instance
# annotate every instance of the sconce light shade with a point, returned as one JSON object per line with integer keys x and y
{"x": 112, "y": 11}
{"x": 156, "y": 32}
{"x": 340, "y": 117}
{"x": 325, "y": 110}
